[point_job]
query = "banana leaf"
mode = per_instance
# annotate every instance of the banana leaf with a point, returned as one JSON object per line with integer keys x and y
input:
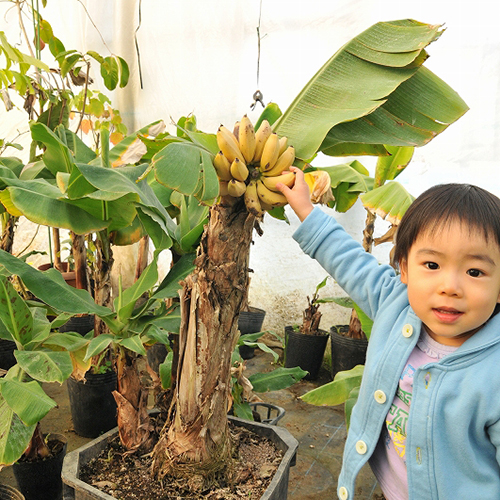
{"x": 368, "y": 93}
{"x": 276, "y": 379}
{"x": 389, "y": 201}
{"x": 336, "y": 392}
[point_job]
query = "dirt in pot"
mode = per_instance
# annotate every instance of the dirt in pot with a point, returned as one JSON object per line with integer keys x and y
{"x": 129, "y": 477}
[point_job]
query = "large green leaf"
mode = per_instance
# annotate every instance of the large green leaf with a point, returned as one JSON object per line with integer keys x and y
{"x": 27, "y": 399}
{"x": 417, "y": 111}
{"x": 14, "y": 434}
{"x": 336, "y": 392}
{"x": 46, "y": 366}
{"x": 359, "y": 80}
{"x": 389, "y": 201}
{"x": 43, "y": 203}
{"x": 277, "y": 379}
{"x": 15, "y": 314}
{"x": 179, "y": 166}
{"x": 50, "y": 287}
{"x": 169, "y": 287}
{"x": 57, "y": 156}
{"x": 389, "y": 167}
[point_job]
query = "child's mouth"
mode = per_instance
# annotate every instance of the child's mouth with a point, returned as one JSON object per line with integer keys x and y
{"x": 447, "y": 315}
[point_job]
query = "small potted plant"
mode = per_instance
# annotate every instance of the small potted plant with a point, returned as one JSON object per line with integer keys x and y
{"x": 305, "y": 344}
{"x": 42, "y": 356}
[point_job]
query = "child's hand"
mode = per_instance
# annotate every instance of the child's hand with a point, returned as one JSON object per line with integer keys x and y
{"x": 298, "y": 196}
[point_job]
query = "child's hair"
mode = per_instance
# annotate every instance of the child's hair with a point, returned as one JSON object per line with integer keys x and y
{"x": 444, "y": 204}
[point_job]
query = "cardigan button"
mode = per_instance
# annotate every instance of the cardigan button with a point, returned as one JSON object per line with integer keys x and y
{"x": 380, "y": 396}
{"x": 361, "y": 447}
{"x": 343, "y": 494}
{"x": 407, "y": 331}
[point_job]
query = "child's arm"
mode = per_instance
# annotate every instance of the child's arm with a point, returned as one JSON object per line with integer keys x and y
{"x": 322, "y": 238}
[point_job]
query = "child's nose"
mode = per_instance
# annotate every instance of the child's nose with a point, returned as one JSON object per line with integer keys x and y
{"x": 450, "y": 285}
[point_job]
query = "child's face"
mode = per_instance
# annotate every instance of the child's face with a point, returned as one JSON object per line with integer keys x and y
{"x": 453, "y": 278}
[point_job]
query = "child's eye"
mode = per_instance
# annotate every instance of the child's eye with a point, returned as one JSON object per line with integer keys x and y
{"x": 475, "y": 273}
{"x": 431, "y": 265}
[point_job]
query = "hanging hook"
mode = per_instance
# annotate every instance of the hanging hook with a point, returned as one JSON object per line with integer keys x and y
{"x": 257, "y": 97}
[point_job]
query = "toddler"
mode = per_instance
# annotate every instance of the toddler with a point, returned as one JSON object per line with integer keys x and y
{"x": 428, "y": 415}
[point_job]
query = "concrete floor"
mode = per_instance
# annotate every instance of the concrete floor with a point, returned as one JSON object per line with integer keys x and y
{"x": 320, "y": 431}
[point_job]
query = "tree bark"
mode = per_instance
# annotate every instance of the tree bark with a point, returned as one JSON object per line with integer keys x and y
{"x": 197, "y": 439}
{"x": 8, "y": 234}
{"x": 79, "y": 252}
{"x": 102, "y": 277}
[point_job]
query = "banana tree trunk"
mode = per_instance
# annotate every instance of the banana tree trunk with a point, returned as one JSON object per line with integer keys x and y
{"x": 102, "y": 277}
{"x": 7, "y": 241}
{"x": 196, "y": 439}
{"x": 79, "y": 253}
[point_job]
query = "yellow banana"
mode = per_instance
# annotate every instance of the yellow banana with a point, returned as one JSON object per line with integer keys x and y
{"x": 246, "y": 139}
{"x": 236, "y": 130}
{"x": 228, "y": 144}
{"x": 287, "y": 179}
{"x": 270, "y": 197}
{"x": 261, "y": 136}
{"x": 252, "y": 200}
{"x": 239, "y": 170}
{"x": 222, "y": 167}
{"x": 283, "y": 144}
{"x": 236, "y": 188}
{"x": 284, "y": 162}
{"x": 270, "y": 152}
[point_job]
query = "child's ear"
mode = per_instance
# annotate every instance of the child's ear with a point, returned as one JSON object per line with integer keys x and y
{"x": 403, "y": 269}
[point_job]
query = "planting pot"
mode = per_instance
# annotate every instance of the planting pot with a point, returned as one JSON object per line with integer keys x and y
{"x": 306, "y": 351}
{"x": 92, "y": 405}
{"x": 156, "y": 355}
{"x": 10, "y": 493}
{"x": 76, "y": 489}
{"x": 80, "y": 324}
{"x": 250, "y": 322}
{"x": 69, "y": 276}
{"x": 346, "y": 352}
{"x": 7, "y": 358}
{"x": 41, "y": 479}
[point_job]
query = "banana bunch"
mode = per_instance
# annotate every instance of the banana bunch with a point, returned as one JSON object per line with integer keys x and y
{"x": 251, "y": 163}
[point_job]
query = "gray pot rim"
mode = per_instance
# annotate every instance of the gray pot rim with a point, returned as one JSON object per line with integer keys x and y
{"x": 82, "y": 455}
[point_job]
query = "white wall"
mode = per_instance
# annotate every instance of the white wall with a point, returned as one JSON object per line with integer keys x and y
{"x": 201, "y": 57}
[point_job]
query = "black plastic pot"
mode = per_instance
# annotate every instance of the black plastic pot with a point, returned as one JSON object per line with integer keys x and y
{"x": 79, "y": 324}
{"x": 10, "y": 493}
{"x": 250, "y": 322}
{"x": 156, "y": 355}
{"x": 306, "y": 351}
{"x": 346, "y": 352}
{"x": 7, "y": 358}
{"x": 92, "y": 405}
{"x": 277, "y": 490}
{"x": 41, "y": 480}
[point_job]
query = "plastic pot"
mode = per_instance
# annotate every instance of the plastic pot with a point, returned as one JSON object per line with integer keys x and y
{"x": 79, "y": 324}
{"x": 346, "y": 352}
{"x": 10, "y": 493}
{"x": 250, "y": 322}
{"x": 41, "y": 479}
{"x": 7, "y": 358}
{"x": 306, "y": 351}
{"x": 92, "y": 405}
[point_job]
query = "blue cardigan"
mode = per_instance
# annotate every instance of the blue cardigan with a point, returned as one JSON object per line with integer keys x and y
{"x": 453, "y": 430}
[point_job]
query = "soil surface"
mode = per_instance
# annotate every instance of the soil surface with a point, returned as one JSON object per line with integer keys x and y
{"x": 256, "y": 460}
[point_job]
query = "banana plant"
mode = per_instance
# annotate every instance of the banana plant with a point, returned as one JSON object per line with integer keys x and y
{"x": 371, "y": 95}
{"x": 138, "y": 318}
{"x": 43, "y": 356}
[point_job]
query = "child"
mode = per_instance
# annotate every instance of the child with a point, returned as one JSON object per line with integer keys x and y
{"x": 428, "y": 414}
